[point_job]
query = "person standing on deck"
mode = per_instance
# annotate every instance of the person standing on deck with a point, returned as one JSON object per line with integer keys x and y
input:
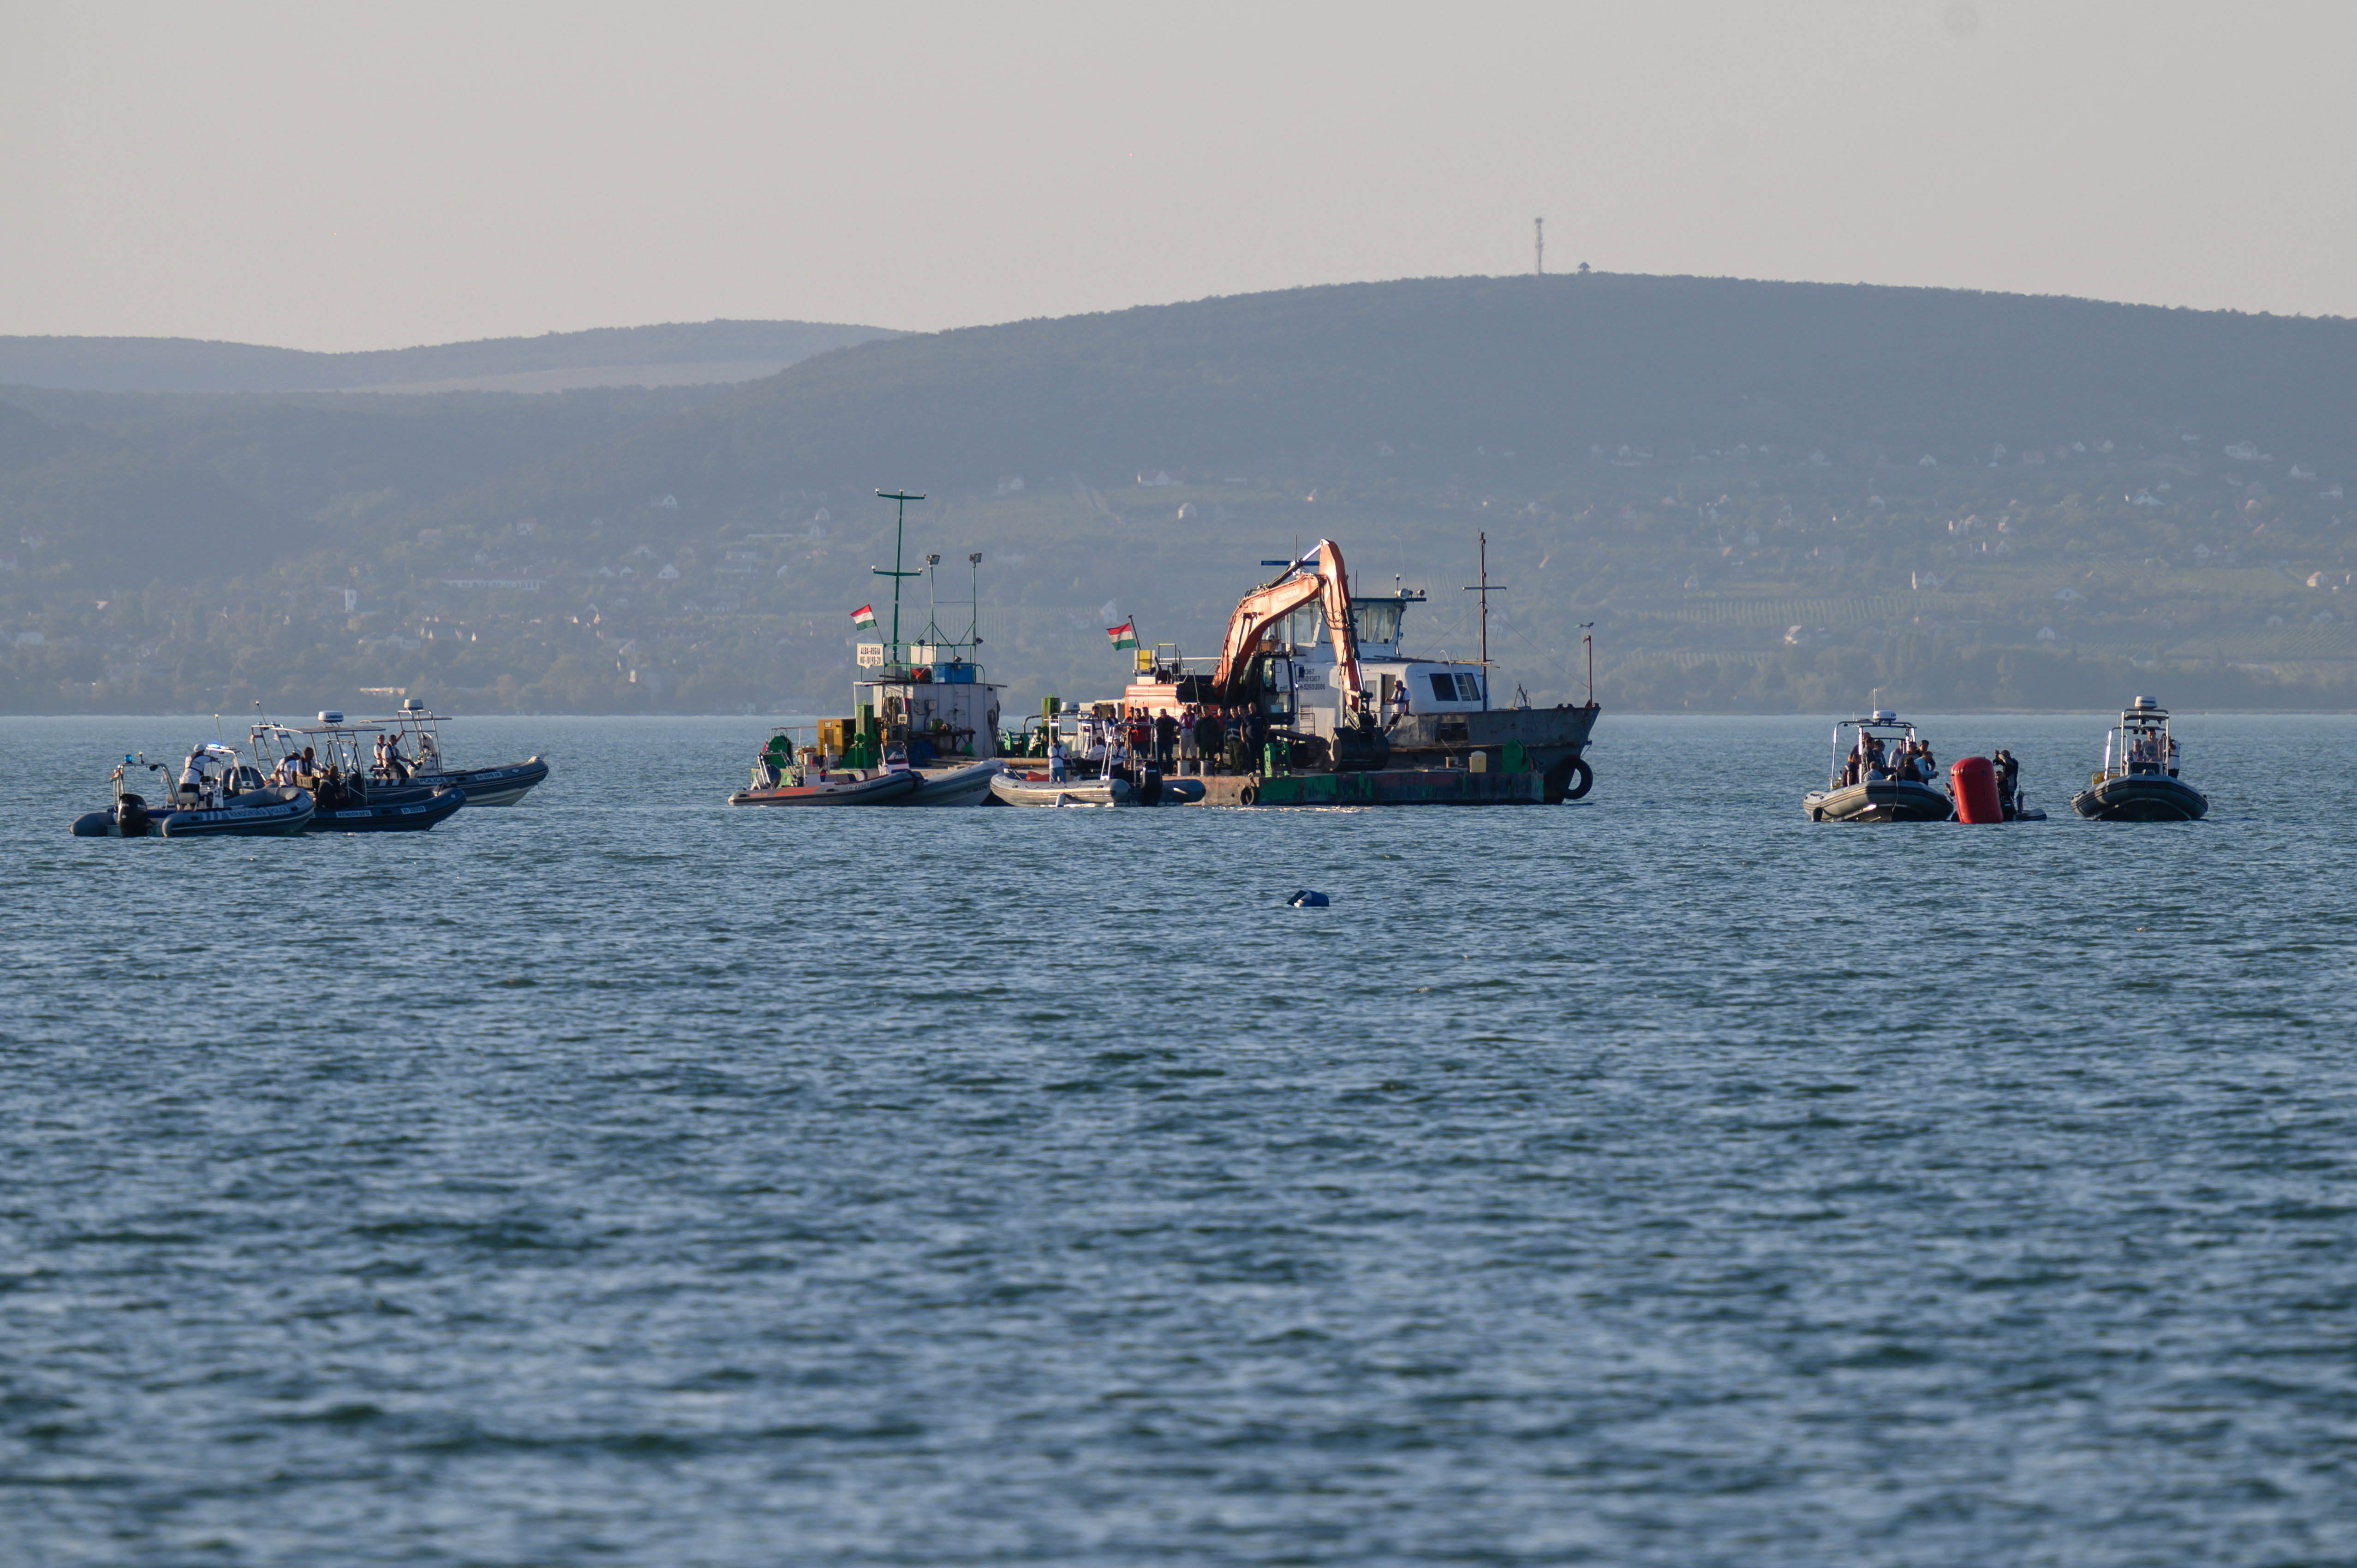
{"x": 1210, "y": 739}
{"x": 1055, "y": 758}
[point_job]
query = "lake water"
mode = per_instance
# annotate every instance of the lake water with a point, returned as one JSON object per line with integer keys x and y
{"x": 1655, "y": 1179}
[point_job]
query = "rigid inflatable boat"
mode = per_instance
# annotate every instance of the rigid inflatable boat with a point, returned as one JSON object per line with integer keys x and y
{"x": 418, "y": 737}
{"x": 967, "y": 786}
{"x": 412, "y": 810}
{"x": 1870, "y": 782}
{"x": 2138, "y": 781}
{"x": 1039, "y": 790}
{"x": 817, "y": 787}
{"x": 233, "y": 803}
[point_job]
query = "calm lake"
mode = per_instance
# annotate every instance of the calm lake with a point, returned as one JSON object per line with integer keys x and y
{"x": 1654, "y": 1179}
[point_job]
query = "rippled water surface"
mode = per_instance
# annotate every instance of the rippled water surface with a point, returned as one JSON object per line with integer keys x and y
{"x": 1656, "y": 1179}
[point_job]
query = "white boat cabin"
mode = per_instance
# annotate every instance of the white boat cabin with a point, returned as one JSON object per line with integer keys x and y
{"x": 1302, "y": 681}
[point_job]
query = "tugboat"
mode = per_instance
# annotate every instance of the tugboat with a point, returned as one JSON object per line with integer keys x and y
{"x": 236, "y": 802}
{"x": 419, "y": 733}
{"x": 353, "y": 796}
{"x": 1872, "y": 783}
{"x": 2138, "y": 781}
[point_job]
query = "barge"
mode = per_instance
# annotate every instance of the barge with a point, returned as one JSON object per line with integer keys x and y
{"x": 1316, "y": 702}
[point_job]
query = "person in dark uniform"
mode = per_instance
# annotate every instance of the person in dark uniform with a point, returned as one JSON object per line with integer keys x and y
{"x": 1210, "y": 739}
{"x": 1166, "y": 740}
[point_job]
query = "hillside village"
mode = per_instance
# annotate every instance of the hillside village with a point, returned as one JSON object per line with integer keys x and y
{"x": 641, "y": 552}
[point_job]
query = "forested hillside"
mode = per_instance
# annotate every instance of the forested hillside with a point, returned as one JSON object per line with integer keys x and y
{"x": 1760, "y": 494}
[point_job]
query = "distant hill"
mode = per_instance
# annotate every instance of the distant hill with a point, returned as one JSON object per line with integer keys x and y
{"x": 1761, "y": 495}
{"x": 680, "y": 354}
{"x": 1447, "y": 374}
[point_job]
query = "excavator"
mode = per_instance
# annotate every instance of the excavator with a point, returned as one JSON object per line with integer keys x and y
{"x": 1358, "y": 744}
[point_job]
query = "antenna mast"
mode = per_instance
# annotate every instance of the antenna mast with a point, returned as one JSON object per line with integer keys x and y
{"x": 898, "y": 529}
{"x": 1485, "y": 590}
{"x": 1538, "y": 236}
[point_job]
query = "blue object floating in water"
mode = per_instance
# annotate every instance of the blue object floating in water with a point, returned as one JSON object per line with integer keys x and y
{"x": 1306, "y": 900}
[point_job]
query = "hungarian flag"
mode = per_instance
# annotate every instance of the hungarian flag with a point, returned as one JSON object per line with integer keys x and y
{"x": 864, "y": 617}
{"x": 1123, "y": 635}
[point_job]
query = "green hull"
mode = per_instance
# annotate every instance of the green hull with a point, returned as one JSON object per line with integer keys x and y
{"x": 1416, "y": 786}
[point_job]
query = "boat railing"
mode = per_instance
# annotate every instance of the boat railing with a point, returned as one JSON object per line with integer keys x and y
{"x": 2140, "y": 746}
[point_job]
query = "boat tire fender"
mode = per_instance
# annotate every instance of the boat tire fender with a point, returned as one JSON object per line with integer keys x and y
{"x": 1248, "y": 795}
{"x": 1569, "y": 781}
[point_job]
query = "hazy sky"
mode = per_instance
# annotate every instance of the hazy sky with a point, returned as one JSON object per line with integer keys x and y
{"x": 349, "y": 176}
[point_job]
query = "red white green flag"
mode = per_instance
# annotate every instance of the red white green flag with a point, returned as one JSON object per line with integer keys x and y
{"x": 864, "y": 617}
{"x": 1123, "y": 635}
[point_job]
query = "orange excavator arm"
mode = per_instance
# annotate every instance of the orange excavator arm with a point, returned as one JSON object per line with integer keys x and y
{"x": 1259, "y": 612}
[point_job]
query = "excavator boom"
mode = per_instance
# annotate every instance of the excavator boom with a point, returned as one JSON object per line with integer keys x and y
{"x": 1261, "y": 611}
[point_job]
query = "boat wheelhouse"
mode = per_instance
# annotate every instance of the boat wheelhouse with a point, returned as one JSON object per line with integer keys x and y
{"x": 2138, "y": 781}
{"x": 1870, "y": 782}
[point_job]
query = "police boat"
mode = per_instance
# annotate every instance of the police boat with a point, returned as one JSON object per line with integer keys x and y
{"x": 417, "y": 735}
{"x": 1872, "y": 783}
{"x": 354, "y": 795}
{"x": 2138, "y": 781}
{"x": 220, "y": 795}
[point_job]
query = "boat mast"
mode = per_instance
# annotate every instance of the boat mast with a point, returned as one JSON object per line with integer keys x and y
{"x": 900, "y": 529}
{"x": 1484, "y": 590}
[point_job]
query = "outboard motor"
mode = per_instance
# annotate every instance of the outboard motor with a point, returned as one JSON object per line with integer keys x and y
{"x": 131, "y": 816}
{"x": 1149, "y": 787}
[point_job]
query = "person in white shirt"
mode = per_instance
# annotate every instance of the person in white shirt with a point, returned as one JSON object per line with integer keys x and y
{"x": 192, "y": 777}
{"x": 1055, "y": 760}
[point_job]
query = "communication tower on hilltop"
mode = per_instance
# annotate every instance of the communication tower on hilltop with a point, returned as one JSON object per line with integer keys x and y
{"x": 1538, "y": 237}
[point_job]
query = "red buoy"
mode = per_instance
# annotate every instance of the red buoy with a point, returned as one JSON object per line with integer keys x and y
{"x": 1974, "y": 781}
